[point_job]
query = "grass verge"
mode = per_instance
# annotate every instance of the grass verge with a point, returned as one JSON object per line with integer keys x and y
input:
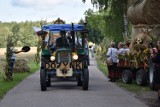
{"x": 5, "y": 86}
{"x": 130, "y": 87}
{"x": 101, "y": 66}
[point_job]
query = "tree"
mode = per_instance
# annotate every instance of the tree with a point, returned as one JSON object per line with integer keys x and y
{"x": 4, "y": 32}
{"x": 115, "y": 10}
{"x": 22, "y": 32}
{"x": 95, "y": 24}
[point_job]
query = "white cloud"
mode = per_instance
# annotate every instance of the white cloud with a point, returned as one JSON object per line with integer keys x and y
{"x": 68, "y": 10}
{"x": 44, "y": 3}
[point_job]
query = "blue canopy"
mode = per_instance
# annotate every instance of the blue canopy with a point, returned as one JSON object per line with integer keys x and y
{"x": 63, "y": 27}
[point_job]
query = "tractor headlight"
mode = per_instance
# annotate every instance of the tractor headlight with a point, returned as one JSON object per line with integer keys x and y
{"x": 52, "y": 58}
{"x": 75, "y": 56}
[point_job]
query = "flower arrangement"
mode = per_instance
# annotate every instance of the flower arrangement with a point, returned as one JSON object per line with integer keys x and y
{"x": 134, "y": 58}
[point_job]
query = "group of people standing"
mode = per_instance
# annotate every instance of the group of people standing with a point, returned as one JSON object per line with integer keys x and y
{"x": 113, "y": 53}
{"x": 121, "y": 49}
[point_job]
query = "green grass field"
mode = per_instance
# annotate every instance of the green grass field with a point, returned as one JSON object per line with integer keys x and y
{"x": 5, "y": 86}
{"x": 130, "y": 87}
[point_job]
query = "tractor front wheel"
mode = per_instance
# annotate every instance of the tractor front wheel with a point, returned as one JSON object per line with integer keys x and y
{"x": 85, "y": 79}
{"x": 43, "y": 80}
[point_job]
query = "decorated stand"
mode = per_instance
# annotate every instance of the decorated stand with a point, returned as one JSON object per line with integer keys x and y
{"x": 145, "y": 17}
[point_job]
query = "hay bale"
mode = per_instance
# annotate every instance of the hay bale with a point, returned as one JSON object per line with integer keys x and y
{"x": 144, "y": 12}
{"x": 21, "y": 65}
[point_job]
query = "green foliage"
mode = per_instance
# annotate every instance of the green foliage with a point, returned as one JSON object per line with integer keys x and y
{"x": 133, "y": 87}
{"x": 4, "y": 32}
{"x": 39, "y": 48}
{"x": 102, "y": 66}
{"x": 7, "y": 68}
{"x": 96, "y": 26}
{"x": 23, "y": 33}
{"x": 112, "y": 13}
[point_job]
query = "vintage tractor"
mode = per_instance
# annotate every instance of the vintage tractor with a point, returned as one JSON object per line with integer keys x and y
{"x": 64, "y": 54}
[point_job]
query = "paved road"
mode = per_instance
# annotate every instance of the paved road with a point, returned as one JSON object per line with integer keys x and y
{"x": 101, "y": 93}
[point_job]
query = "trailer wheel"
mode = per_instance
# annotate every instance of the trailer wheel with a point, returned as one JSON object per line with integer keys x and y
{"x": 43, "y": 80}
{"x": 48, "y": 82}
{"x": 151, "y": 75}
{"x": 127, "y": 76}
{"x": 141, "y": 77}
{"x": 85, "y": 79}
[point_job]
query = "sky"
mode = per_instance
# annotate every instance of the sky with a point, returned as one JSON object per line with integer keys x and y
{"x": 33, "y": 10}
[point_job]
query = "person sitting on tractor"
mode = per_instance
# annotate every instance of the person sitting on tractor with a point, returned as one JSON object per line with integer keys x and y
{"x": 69, "y": 37}
{"x": 62, "y": 41}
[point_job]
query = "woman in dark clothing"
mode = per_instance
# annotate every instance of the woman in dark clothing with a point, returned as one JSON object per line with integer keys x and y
{"x": 156, "y": 61}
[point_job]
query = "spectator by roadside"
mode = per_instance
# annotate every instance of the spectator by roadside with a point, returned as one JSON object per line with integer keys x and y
{"x": 121, "y": 50}
{"x": 13, "y": 58}
{"x": 155, "y": 55}
{"x": 112, "y": 55}
{"x": 127, "y": 48}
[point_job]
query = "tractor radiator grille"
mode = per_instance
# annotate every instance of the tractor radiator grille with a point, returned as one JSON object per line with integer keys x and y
{"x": 64, "y": 56}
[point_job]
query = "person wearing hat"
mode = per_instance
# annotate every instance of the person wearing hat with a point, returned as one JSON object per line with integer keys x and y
{"x": 62, "y": 41}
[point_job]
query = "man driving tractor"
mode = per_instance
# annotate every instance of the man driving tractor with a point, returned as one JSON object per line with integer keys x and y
{"x": 62, "y": 41}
